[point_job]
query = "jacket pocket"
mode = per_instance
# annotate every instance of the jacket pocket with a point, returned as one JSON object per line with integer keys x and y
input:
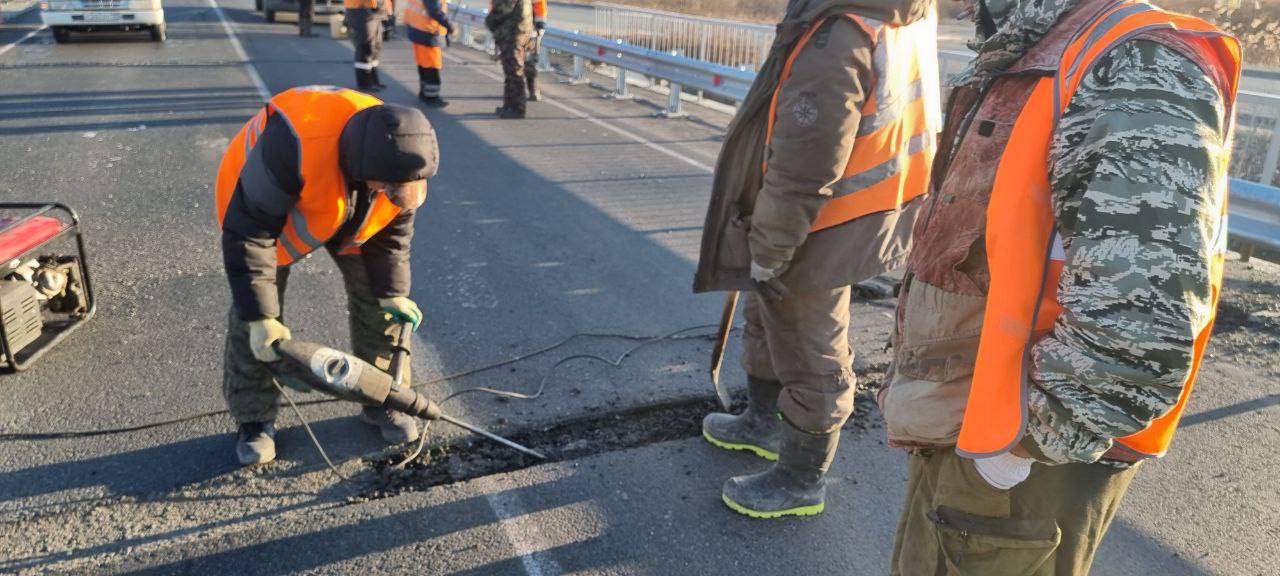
{"x": 936, "y": 345}
{"x": 735, "y": 250}
{"x": 981, "y": 546}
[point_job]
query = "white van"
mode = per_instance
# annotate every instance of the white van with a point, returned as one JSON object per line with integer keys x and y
{"x": 66, "y": 16}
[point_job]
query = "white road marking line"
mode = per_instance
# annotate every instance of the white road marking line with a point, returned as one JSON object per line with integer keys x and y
{"x": 30, "y": 35}
{"x": 603, "y": 124}
{"x": 244, "y": 57}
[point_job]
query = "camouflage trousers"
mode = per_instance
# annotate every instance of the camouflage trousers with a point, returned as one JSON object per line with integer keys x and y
{"x": 247, "y": 383}
{"x": 954, "y": 522}
{"x": 511, "y": 53}
{"x": 802, "y": 342}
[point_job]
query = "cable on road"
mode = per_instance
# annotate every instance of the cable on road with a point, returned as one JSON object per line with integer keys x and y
{"x": 644, "y": 341}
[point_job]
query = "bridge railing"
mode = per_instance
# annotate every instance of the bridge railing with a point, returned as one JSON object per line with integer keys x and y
{"x": 1255, "y": 207}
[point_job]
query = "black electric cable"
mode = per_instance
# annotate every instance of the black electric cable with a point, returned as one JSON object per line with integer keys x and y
{"x": 647, "y": 340}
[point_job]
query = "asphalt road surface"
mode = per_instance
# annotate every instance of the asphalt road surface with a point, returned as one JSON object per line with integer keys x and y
{"x": 583, "y": 218}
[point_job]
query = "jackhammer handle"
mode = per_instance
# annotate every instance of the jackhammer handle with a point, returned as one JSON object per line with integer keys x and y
{"x": 400, "y": 353}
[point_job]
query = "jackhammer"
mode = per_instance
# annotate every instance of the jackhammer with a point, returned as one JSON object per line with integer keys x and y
{"x": 346, "y": 377}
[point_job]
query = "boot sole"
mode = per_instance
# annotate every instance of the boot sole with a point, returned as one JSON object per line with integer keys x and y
{"x": 758, "y": 451}
{"x": 813, "y": 510}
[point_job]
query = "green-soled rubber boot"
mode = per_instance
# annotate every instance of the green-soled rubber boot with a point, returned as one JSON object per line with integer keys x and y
{"x": 757, "y": 430}
{"x": 793, "y": 485}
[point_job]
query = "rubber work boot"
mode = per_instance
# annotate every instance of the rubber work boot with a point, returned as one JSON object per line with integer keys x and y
{"x": 534, "y": 93}
{"x": 256, "y": 443}
{"x": 396, "y": 428}
{"x": 757, "y": 430}
{"x": 433, "y": 101}
{"x": 792, "y": 486}
{"x": 364, "y": 81}
{"x": 509, "y": 113}
{"x": 377, "y": 82}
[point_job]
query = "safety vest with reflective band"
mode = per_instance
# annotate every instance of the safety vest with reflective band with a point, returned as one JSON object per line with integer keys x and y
{"x": 894, "y": 145}
{"x": 316, "y": 116}
{"x": 1024, "y": 250}
{"x": 423, "y": 29}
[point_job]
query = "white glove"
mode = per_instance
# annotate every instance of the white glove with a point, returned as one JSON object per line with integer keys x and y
{"x": 402, "y": 310}
{"x": 262, "y": 334}
{"x": 767, "y": 282}
{"x": 1003, "y": 471}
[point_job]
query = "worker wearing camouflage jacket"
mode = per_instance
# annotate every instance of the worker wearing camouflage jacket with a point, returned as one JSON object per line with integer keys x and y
{"x": 512, "y": 23}
{"x": 1063, "y": 282}
{"x": 820, "y": 179}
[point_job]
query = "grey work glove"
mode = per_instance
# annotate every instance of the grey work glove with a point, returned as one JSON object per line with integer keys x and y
{"x": 1003, "y": 471}
{"x": 263, "y": 334}
{"x": 767, "y": 282}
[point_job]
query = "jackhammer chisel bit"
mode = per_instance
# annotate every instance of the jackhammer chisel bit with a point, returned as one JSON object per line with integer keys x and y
{"x": 346, "y": 377}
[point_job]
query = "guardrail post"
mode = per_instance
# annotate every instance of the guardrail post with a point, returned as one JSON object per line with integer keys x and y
{"x": 466, "y": 37}
{"x": 674, "y": 107}
{"x": 620, "y": 86}
{"x": 579, "y": 71}
{"x": 489, "y": 46}
{"x": 544, "y": 58}
{"x": 1272, "y": 159}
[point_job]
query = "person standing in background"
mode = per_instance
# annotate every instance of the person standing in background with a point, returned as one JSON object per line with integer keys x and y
{"x": 364, "y": 20}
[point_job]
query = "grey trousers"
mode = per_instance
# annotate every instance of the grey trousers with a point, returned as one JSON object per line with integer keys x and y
{"x": 247, "y": 383}
{"x": 366, "y": 36}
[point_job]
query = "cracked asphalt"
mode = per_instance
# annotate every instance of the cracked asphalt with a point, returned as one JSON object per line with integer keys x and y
{"x": 584, "y": 218}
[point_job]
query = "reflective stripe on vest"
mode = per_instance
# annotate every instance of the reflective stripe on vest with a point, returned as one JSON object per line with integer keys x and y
{"x": 1024, "y": 250}
{"x": 893, "y": 148}
{"x": 316, "y": 115}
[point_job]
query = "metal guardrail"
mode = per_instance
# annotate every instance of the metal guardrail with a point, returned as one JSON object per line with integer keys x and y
{"x": 725, "y": 42}
{"x": 1255, "y": 204}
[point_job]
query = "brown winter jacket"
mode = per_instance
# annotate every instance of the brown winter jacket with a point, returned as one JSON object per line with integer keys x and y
{"x": 767, "y": 217}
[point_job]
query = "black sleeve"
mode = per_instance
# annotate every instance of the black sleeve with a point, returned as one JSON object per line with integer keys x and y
{"x": 386, "y": 257}
{"x": 267, "y": 190}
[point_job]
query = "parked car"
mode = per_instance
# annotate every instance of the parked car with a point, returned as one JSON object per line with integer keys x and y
{"x": 66, "y": 16}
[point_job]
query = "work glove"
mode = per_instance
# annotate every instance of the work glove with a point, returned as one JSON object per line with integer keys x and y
{"x": 1003, "y": 471}
{"x": 767, "y": 282}
{"x": 262, "y": 334}
{"x": 402, "y": 310}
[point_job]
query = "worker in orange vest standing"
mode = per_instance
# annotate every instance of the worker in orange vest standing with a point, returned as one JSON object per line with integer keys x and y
{"x": 364, "y": 21}
{"x": 819, "y": 182}
{"x": 318, "y": 167}
{"x": 429, "y": 30}
{"x": 1062, "y": 288}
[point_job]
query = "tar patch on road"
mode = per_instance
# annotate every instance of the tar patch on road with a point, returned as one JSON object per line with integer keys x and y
{"x": 573, "y": 440}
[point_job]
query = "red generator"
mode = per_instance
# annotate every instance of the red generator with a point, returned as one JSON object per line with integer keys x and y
{"x": 45, "y": 292}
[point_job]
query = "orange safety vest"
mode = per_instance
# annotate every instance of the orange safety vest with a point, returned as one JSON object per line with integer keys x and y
{"x": 417, "y": 19}
{"x": 894, "y": 146}
{"x": 316, "y": 115}
{"x": 1024, "y": 250}
{"x": 354, "y": 4}
{"x": 539, "y": 10}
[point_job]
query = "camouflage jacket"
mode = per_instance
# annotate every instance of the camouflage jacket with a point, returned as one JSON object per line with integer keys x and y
{"x": 509, "y": 19}
{"x": 1132, "y": 168}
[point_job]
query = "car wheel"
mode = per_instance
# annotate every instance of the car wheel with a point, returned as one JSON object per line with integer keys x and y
{"x": 158, "y": 33}
{"x": 270, "y": 15}
{"x": 61, "y": 34}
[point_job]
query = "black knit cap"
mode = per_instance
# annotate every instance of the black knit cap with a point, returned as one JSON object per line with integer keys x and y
{"x": 390, "y": 143}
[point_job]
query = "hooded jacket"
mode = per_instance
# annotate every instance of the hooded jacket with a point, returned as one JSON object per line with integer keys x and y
{"x": 767, "y": 216}
{"x": 387, "y": 143}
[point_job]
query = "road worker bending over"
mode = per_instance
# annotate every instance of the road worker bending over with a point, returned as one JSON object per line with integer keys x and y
{"x": 817, "y": 187}
{"x": 429, "y": 28}
{"x": 318, "y": 167}
{"x": 1062, "y": 287}
{"x": 364, "y": 21}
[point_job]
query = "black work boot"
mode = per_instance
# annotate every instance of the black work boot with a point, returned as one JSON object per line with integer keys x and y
{"x": 432, "y": 101}
{"x": 757, "y": 430}
{"x": 396, "y": 428}
{"x": 534, "y": 93}
{"x": 364, "y": 81}
{"x": 791, "y": 487}
{"x": 377, "y": 82}
{"x": 255, "y": 443}
{"x": 509, "y": 113}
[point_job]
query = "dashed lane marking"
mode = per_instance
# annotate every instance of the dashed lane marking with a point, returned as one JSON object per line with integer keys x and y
{"x": 30, "y": 35}
{"x": 249, "y": 68}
